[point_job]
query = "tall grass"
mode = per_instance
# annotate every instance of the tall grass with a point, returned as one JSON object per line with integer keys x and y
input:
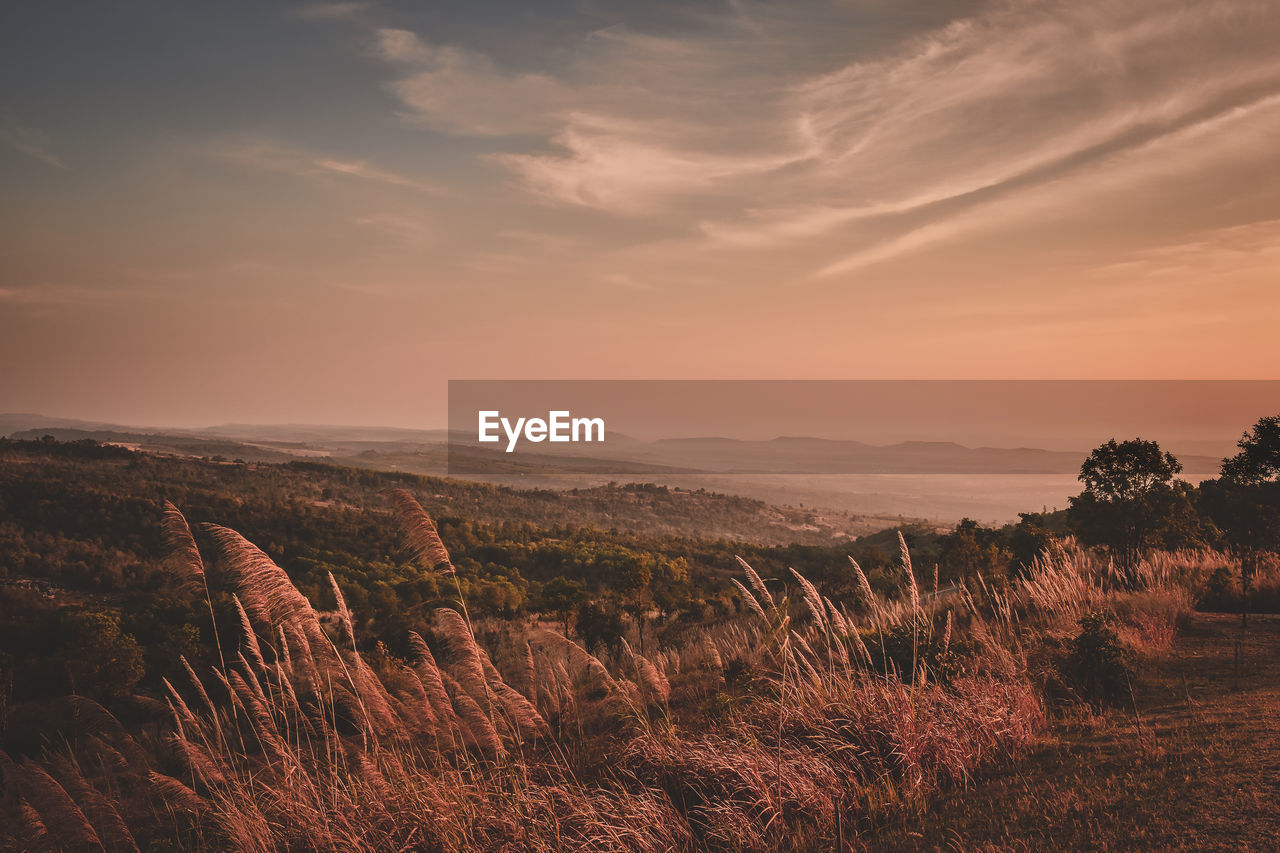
{"x": 783, "y": 729}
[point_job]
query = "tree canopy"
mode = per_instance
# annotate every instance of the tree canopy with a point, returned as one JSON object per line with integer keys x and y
{"x": 1132, "y": 503}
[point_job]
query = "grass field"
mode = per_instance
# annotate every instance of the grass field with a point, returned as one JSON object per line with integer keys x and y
{"x": 1061, "y": 709}
{"x": 1192, "y": 764}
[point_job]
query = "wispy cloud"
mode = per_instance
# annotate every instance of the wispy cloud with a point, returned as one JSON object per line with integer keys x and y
{"x": 1249, "y": 250}
{"x": 332, "y": 11}
{"x": 47, "y": 295}
{"x": 882, "y": 151}
{"x": 630, "y": 122}
{"x": 1237, "y": 133}
{"x": 270, "y": 155}
{"x": 462, "y": 91}
{"x": 624, "y": 168}
{"x": 30, "y": 141}
{"x": 409, "y": 230}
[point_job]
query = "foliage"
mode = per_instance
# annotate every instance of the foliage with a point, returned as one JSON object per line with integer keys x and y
{"x": 1259, "y": 458}
{"x": 1245, "y": 501}
{"x": 910, "y": 647}
{"x": 599, "y": 626}
{"x": 1034, "y": 534}
{"x": 514, "y": 737}
{"x": 561, "y": 597}
{"x": 1099, "y": 662}
{"x": 971, "y": 549}
{"x": 1131, "y": 502}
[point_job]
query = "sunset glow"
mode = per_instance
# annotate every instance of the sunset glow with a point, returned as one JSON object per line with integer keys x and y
{"x": 319, "y": 213}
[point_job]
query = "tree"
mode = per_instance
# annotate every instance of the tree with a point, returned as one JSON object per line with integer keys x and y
{"x": 1245, "y": 501}
{"x": 1033, "y": 535}
{"x": 1127, "y": 471}
{"x": 629, "y": 574}
{"x": 599, "y": 625}
{"x": 970, "y": 549}
{"x": 1258, "y": 461}
{"x": 99, "y": 659}
{"x": 1129, "y": 500}
{"x": 670, "y": 586}
{"x": 561, "y": 597}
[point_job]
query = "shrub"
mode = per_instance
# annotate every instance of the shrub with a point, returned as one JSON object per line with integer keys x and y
{"x": 1099, "y": 662}
{"x": 600, "y": 626}
{"x": 904, "y": 649}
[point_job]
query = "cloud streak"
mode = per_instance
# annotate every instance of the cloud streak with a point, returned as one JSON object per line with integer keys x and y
{"x": 891, "y": 150}
{"x": 30, "y": 141}
{"x": 273, "y": 156}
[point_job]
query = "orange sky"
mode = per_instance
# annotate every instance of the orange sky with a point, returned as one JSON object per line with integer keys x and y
{"x": 320, "y": 213}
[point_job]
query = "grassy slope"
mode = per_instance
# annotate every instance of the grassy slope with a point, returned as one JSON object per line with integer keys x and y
{"x": 648, "y": 511}
{"x": 1200, "y": 772}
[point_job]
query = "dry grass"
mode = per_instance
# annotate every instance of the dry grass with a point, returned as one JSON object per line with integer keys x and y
{"x": 297, "y": 743}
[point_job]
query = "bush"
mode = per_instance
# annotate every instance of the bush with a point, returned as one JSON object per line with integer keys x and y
{"x": 600, "y": 626}
{"x": 1099, "y": 662}
{"x": 904, "y": 648}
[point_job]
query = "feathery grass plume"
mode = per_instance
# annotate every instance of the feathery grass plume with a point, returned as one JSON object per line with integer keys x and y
{"x": 32, "y": 829}
{"x": 735, "y": 793}
{"x": 63, "y": 821}
{"x": 369, "y": 774}
{"x": 711, "y": 654}
{"x": 838, "y": 622}
{"x": 648, "y": 676}
{"x": 264, "y": 588}
{"x": 184, "y": 556}
{"x": 250, "y": 636}
{"x": 344, "y": 614}
{"x": 108, "y": 757}
{"x": 373, "y": 696}
{"x": 588, "y": 663}
{"x": 813, "y": 600}
{"x": 911, "y": 575}
{"x": 105, "y": 819}
{"x": 179, "y": 702}
{"x": 476, "y": 725}
{"x": 946, "y": 635}
{"x": 284, "y": 683}
{"x": 195, "y": 681}
{"x": 284, "y": 658}
{"x": 95, "y": 720}
{"x": 872, "y": 602}
{"x": 264, "y": 725}
{"x": 530, "y": 686}
{"x": 430, "y": 677}
{"x": 413, "y": 705}
{"x": 420, "y": 532}
{"x": 750, "y": 599}
{"x": 671, "y": 662}
{"x": 185, "y": 561}
{"x": 177, "y": 794}
{"x": 861, "y": 647}
{"x": 757, "y": 584}
{"x": 808, "y": 659}
{"x": 306, "y": 672}
{"x": 519, "y": 712}
{"x": 463, "y": 655}
{"x": 202, "y": 765}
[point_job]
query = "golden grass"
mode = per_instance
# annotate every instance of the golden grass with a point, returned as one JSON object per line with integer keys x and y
{"x": 296, "y": 743}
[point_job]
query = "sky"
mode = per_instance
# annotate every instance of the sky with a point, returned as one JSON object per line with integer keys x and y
{"x": 321, "y": 212}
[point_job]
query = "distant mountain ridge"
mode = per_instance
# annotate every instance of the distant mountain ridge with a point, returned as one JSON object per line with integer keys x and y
{"x": 366, "y": 446}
